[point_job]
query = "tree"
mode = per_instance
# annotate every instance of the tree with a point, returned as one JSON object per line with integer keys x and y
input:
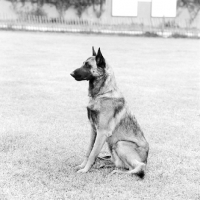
{"x": 62, "y": 5}
{"x": 193, "y": 7}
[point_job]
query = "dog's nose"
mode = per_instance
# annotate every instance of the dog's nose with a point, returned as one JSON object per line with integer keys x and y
{"x": 72, "y": 74}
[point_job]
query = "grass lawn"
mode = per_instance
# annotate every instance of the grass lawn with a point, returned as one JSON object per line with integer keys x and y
{"x": 43, "y": 121}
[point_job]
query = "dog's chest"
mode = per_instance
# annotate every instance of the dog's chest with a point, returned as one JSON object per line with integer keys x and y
{"x": 93, "y": 110}
{"x": 93, "y": 116}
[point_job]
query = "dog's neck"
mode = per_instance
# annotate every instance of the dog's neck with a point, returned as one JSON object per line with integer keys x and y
{"x": 96, "y": 85}
{"x": 102, "y": 85}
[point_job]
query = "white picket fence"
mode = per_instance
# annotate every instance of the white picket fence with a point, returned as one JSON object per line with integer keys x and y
{"x": 133, "y": 26}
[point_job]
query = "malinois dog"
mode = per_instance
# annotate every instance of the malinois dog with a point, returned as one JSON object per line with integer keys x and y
{"x": 111, "y": 121}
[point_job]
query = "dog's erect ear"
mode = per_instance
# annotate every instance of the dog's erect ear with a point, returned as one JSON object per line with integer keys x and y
{"x": 93, "y": 52}
{"x": 100, "y": 59}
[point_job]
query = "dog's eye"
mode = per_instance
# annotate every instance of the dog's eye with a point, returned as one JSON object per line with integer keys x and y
{"x": 87, "y": 65}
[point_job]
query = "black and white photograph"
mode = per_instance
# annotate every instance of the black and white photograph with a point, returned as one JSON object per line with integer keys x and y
{"x": 99, "y": 99}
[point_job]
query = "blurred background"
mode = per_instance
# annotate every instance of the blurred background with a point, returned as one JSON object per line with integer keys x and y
{"x": 131, "y": 17}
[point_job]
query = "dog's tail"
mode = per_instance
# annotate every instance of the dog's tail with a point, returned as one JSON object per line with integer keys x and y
{"x": 141, "y": 174}
{"x": 139, "y": 170}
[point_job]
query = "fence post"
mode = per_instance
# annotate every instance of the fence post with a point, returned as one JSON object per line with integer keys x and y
{"x": 163, "y": 25}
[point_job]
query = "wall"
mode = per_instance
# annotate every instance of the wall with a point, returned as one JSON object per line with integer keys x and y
{"x": 9, "y": 10}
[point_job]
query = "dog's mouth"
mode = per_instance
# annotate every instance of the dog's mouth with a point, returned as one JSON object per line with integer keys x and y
{"x": 79, "y": 79}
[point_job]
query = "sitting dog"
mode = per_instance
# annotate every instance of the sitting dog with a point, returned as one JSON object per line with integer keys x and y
{"x": 111, "y": 121}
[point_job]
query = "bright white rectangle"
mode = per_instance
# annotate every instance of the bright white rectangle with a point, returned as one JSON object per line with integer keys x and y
{"x": 164, "y": 8}
{"x": 124, "y": 8}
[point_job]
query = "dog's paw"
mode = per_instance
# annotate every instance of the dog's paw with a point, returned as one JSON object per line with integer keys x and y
{"x": 82, "y": 170}
{"x": 78, "y": 167}
{"x": 82, "y": 165}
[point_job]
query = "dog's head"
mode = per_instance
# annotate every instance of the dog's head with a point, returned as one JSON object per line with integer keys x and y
{"x": 92, "y": 68}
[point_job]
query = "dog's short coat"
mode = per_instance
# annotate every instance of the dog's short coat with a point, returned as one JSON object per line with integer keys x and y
{"x": 111, "y": 121}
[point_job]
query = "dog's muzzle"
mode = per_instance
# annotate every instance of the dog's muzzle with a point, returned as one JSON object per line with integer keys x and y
{"x": 76, "y": 76}
{"x": 81, "y": 74}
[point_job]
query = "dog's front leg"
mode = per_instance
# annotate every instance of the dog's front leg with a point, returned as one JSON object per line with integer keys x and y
{"x": 99, "y": 142}
{"x": 91, "y": 144}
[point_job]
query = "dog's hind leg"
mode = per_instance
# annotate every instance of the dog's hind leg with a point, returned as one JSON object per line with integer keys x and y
{"x": 129, "y": 157}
